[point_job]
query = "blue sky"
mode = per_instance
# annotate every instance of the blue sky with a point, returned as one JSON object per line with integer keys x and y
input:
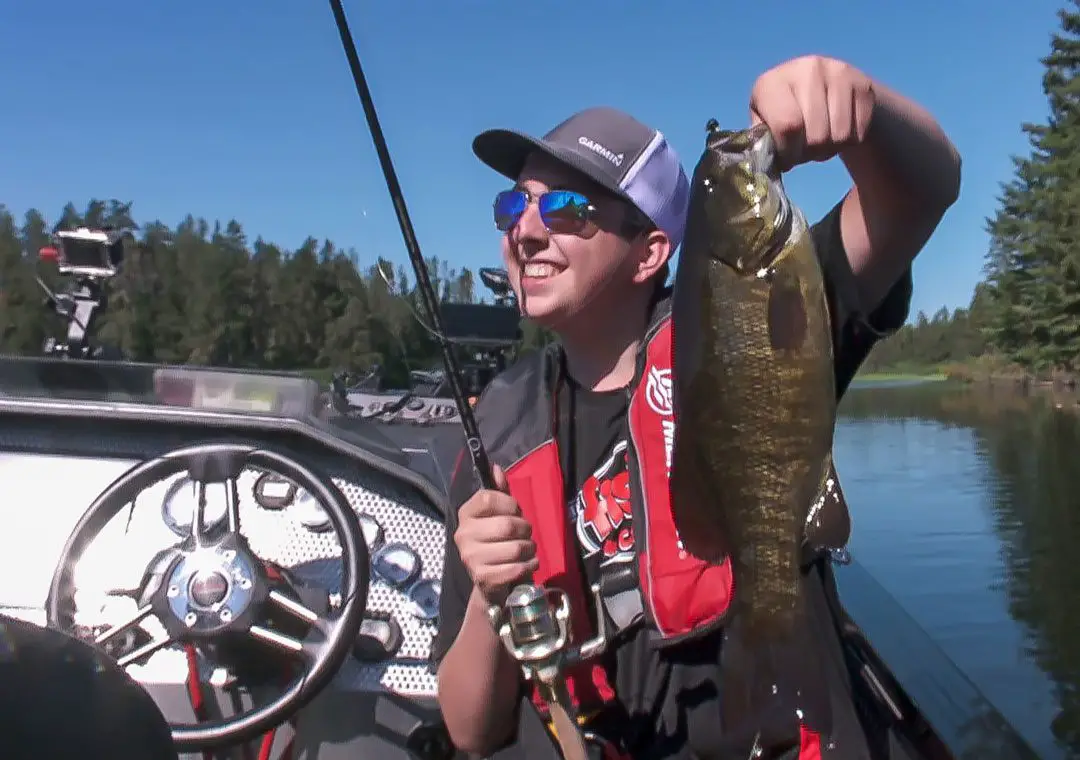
{"x": 246, "y": 110}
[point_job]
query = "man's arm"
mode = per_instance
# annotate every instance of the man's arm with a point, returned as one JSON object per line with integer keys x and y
{"x": 479, "y": 683}
{"x": 906, "y": 172}
{"x": 855, "y": 331}
{"x": 906, "y": 175}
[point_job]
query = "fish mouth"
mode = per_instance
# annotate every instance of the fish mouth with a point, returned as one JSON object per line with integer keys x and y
{"x": 755, "y": 146}
{"x": 740, "y": 178}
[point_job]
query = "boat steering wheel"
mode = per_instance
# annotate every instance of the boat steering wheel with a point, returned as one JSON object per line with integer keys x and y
{"x": 211, "y": 585}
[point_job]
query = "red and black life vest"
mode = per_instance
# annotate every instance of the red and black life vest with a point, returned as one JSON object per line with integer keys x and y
{"x": 677, "y": 596}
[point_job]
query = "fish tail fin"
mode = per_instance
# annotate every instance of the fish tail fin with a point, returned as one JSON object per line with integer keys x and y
{"x": 772, "y": 684}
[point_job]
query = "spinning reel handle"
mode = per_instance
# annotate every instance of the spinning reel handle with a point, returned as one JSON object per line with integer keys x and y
{"x": 534, "y": 626}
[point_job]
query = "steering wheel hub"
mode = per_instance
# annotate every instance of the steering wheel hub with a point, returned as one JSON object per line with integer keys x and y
{"x": 209, "y": 590}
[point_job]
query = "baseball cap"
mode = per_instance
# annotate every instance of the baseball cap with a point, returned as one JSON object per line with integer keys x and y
{"x": 613, "y": 149}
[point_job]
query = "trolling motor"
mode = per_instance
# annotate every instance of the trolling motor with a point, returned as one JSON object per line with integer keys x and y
{"x": 90, "y": 258}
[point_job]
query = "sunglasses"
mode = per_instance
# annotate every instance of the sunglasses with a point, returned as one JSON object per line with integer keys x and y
{"x": 561, "y": 211}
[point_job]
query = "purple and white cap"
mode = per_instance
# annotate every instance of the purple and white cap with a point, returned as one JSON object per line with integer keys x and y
{"x": 619, "y": 153}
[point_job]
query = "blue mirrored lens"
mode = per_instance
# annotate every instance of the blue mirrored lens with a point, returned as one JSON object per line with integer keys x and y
{"x": 560, "y": 210}
{"x": 564, "y": 210}
{"x": 509, "y": 206}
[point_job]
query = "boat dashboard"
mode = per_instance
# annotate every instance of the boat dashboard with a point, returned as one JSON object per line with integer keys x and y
{"x": 72, "y": 430}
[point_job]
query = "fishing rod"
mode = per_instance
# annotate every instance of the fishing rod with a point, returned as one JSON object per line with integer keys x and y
{"x": 534, "y": 624}
{"x": 481, "y": 464}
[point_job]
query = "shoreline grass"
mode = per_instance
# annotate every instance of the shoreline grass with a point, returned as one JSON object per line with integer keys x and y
{"x": 894, "y": 376}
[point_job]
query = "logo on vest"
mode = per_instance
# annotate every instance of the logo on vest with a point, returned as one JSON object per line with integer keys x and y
{"x": 658, "y": 395}
{"x": 658, "y": 391}
{"x": 602, "y": 514}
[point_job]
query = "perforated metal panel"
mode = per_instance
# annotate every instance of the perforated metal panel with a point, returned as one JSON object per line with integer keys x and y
{"x": 120, "y": 555}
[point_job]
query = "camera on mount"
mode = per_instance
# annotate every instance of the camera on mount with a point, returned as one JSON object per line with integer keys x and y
{"x": 90, "y": 257}
{"x": 91, "y": 254}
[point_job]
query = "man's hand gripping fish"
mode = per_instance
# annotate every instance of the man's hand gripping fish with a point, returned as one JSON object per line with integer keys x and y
{"x": 755, "y": 405}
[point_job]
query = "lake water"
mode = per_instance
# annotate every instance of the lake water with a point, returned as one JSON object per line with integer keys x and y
{"x": 966, "y": 507}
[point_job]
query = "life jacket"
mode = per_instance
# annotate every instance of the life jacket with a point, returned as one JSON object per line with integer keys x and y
{"x": 677, "y": 596}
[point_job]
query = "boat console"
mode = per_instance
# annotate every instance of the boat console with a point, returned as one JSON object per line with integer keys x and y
{"x": 251, "y": 561}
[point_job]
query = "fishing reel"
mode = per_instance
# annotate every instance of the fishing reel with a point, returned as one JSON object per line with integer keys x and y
{"x": 534, "y": 626}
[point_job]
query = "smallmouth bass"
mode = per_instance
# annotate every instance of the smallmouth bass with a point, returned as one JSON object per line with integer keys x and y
{"x": 755, "y": 406}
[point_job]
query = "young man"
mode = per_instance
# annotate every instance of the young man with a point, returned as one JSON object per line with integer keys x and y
{"x": 598, "y": 208}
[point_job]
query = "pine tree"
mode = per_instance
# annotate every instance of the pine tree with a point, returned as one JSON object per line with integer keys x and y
{"x": 1033, "y": 265}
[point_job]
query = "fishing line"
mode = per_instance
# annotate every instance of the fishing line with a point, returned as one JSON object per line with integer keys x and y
{"x": 481, "y": 465}
{"x": 416, "y": 315}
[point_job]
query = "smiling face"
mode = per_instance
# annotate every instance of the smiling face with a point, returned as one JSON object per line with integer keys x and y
{"x": 560, "y": 276}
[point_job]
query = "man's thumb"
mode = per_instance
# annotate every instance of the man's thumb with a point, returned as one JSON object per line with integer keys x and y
{"x": 499, "y": 477}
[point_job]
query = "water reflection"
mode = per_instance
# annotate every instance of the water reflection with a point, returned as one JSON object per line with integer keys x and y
{"x": 966, "y": 509}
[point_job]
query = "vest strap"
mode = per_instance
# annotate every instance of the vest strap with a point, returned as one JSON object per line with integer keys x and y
{"x": 623, "y": 603}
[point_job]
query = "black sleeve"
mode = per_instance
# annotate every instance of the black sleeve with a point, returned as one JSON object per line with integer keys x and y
{"x": 854, "y": 332}
{"x": 456, "y": 583}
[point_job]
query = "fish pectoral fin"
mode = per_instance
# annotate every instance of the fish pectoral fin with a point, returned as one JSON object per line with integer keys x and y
{"x": 828, "y": 523}
{"x": 788, "y": 320}
{"x": 694, "y": 507}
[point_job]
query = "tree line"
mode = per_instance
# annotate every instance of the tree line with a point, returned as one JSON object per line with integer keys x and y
{"x": 1026, "y": 311}
{"x": 200, "y": 294}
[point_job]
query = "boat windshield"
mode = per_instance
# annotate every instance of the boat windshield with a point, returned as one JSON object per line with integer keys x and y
{"x": 28, "y": 380}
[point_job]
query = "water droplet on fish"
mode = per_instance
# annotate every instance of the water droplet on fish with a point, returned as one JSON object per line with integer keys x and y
{"x": 757, "y": 750}
{"x": 830, "y": 745}
{"x": 775, "y": 689}
{"x": 799, "y": 714}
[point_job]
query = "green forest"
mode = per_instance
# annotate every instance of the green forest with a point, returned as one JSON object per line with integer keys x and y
{"x": 202, "y": 293}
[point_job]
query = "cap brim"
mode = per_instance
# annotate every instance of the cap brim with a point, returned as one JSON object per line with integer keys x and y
{"x": 506, "y": 151}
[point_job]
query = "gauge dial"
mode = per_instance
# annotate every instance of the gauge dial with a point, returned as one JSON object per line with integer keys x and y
{"x": 397, "y": 564}
{"x": 374, "y": 536}
{"x": 310, "y": 513}
{"x": 271, "y": 491}
{"x": 178, "y": 506}
{"x": 424, "y": 599}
